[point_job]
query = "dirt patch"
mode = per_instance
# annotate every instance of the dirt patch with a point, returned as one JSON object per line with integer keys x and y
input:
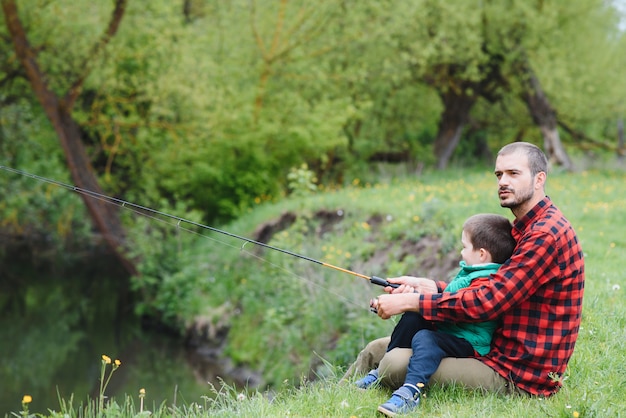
{"x": 424, "y": 257}
{"x": 430, "y": 258}
{"x": 267, "y": 230}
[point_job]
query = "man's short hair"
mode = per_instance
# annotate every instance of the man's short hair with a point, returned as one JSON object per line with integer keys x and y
{"x": 537, "y": 160}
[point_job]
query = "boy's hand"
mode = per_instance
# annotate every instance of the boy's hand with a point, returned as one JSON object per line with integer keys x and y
{"x": 412, "y": 284}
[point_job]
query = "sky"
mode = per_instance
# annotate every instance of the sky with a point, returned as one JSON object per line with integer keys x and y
{"x": 620, "y": 5}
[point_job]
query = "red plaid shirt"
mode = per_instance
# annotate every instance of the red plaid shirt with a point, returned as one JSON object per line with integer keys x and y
{"x": 538, "y": 297}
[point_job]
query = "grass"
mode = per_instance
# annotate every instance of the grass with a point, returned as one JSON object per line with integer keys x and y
{"x": 330, "y": 309}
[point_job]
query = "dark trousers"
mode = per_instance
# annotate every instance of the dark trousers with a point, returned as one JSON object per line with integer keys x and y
{"x": 429, "y": 346}
{"x": 406, "y": 328}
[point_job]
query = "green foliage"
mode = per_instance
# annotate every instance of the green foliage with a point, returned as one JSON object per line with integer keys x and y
{"x": 301, "y": 181}
{"x": 29, "y": 208}
{"x": 213, "y": 104}
{"x": 167, "y": 284}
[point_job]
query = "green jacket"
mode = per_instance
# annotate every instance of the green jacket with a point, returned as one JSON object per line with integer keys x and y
{"x": 476, "y": 333}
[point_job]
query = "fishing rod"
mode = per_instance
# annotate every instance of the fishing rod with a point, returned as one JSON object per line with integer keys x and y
{"x": 144, "y": 209}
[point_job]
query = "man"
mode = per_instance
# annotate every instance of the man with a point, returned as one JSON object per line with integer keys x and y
{"x": 537, "y": 296}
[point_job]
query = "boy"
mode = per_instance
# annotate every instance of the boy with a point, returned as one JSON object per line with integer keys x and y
{"x": 487, "y": 243}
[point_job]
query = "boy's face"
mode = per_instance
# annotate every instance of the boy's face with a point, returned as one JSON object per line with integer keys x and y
{"x": 469, "y": 254}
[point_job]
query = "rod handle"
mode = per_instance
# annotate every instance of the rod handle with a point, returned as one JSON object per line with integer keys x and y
{"x": 382, "y": 282}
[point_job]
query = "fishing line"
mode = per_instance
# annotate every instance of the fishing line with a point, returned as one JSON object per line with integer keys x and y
{"x": 156, "y": 215}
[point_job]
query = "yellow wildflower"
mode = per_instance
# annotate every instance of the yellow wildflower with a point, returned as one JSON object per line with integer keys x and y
{"x": 142, "y": 392}
{"x": 118, "y": 363}
{"x": 27, "y": 399}
{"x": 106, "y": 359}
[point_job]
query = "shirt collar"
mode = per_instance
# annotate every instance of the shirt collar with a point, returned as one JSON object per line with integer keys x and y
{"x": 536, "y": 211}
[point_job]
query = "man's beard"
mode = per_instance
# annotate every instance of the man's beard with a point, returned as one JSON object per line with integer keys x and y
{"x": 519, "y": 198}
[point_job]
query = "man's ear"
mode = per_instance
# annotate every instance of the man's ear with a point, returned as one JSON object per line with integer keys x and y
{"x": 540, "y": 180}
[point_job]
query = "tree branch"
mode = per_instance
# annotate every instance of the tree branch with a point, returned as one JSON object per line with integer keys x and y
{"x": 581, "y": 136}
{"x": 116, "y": 17}
{"x": 24, "y": 51}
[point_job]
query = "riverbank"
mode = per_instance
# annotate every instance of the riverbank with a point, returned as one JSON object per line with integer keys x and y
{"x": 300, "y": 326}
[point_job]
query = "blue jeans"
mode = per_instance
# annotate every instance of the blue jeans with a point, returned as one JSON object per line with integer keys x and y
{"x": 429, "y": 348}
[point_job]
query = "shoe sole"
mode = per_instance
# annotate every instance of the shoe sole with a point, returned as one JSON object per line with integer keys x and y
{"x": 387, "y": 412}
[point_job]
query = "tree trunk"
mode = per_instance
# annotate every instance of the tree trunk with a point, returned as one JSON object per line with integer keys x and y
{"x": 58, "y": 111}
{"x": 545, "y": 117}
{"x": 454, "y": 117}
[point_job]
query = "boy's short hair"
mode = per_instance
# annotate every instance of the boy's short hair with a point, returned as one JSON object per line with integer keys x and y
{"x": 493, "y": 233}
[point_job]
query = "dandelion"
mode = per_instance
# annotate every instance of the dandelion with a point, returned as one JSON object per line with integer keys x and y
{"x": 142, "y": 394}
{"x": 103, "y": 384}
{"x": 615, "y": 287}
{"x": 25, "y": 401}
{"x": 575, "y": 414}
{"x": 241, "y": 397}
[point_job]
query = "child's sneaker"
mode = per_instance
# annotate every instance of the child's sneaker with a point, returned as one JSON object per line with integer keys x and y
{"x": 368, "y": 380}
{"x": 402, "y": 401}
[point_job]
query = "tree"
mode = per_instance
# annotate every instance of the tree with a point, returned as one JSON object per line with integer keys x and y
{"x": 545, "y": 117}
{"x": 59, "y": 111}
{"x": 467, "y": 51}
{"x": 560, "y": 56}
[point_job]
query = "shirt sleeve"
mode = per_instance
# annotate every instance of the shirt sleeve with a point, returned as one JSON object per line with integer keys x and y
{"x": 531, "y": 265}
{"x": 441, "y": 285}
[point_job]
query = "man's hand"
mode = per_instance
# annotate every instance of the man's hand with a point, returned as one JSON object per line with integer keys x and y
{"x": 388, "y": 305}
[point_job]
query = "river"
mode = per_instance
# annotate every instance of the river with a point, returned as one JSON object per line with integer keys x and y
{"x": 55, "y": 325}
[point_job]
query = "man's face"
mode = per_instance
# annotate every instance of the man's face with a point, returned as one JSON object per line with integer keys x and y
{"x": 516, "y": 185}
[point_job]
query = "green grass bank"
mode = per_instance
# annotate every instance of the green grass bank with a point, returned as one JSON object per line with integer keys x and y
{"x": 301, "y": 324}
